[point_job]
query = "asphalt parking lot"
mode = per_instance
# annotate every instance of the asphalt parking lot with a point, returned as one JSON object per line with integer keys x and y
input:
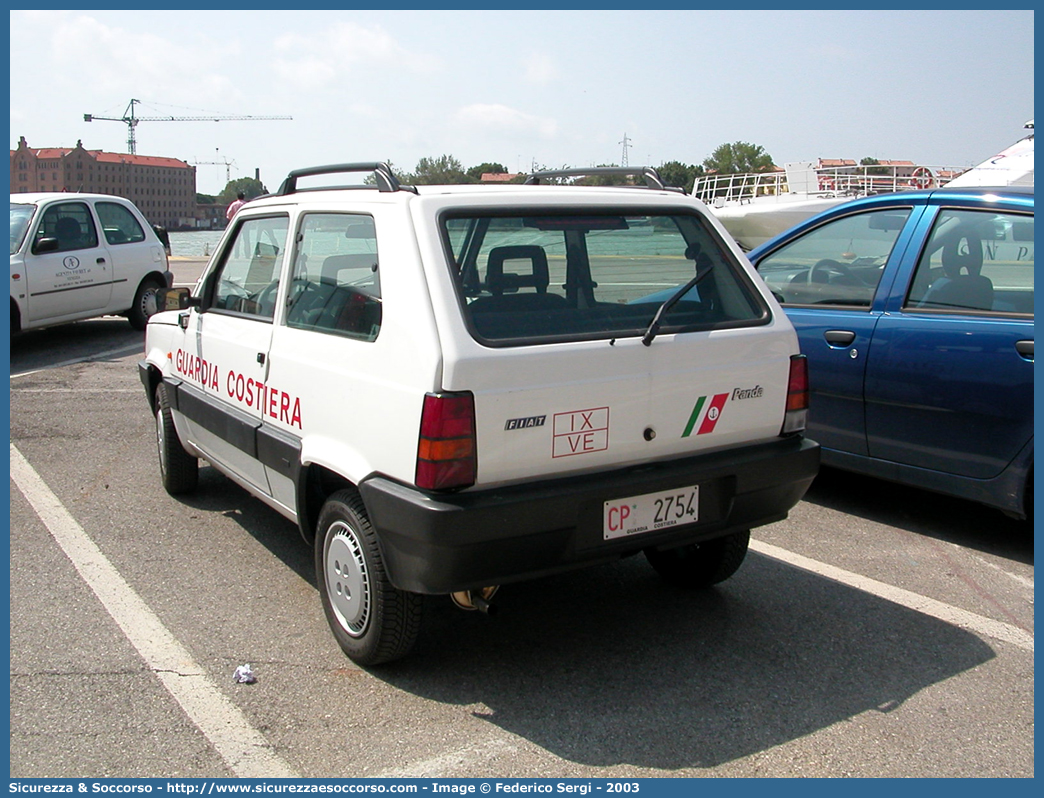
{"x": 879, "y": 632}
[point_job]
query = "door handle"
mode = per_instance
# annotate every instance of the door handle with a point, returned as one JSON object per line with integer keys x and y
{"x": 839, "y": 337}
{"x": 100, "y": 260}
{"x": 261, "y": 358}
{"x": 1025, "y": 349}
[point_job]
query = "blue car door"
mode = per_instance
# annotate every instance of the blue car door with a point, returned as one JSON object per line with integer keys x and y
{"x": 831, "y": 280}
{"x": 949, "y": 383}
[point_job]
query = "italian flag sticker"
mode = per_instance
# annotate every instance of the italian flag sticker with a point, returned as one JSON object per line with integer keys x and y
{"x": 705, "y": 414}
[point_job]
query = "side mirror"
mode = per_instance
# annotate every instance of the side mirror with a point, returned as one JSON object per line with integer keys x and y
{"x": 45, "y": 244}
{"x": 175, "y": 299}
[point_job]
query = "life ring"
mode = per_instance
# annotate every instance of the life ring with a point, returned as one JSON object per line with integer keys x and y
{"x": 921, "y": 177}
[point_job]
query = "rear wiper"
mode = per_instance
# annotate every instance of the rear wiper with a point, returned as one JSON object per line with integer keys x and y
{"x": 672, "y": 300}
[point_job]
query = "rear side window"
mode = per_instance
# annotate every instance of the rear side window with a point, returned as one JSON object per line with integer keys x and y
{"x": 119, "y": 224}
{"x": 838, "y": 263}
{"x": 976, "y": 262}
{"x": 336, "y": 285}
{"x": 535, "y": 276}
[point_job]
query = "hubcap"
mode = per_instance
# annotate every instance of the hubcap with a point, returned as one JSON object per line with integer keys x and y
{"x": 161, "y": 441}
{"x": 347, "y": 582}
{"x": 148, "y": 303}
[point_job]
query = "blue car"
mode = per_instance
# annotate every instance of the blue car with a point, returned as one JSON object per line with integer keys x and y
{"x": 915, "y": 310}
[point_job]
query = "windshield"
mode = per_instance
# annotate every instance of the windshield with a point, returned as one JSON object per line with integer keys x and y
{"x": 20, "y": 216}
{"x": 533, "y": 275}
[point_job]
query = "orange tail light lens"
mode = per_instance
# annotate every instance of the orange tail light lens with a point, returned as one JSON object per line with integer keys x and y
{"x": 446, "y": 452}
{"x": 796, "y": 415}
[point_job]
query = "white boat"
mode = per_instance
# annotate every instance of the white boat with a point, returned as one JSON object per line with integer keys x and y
{"x": 1010, "y": 167}
{"x": 754, "y": 207}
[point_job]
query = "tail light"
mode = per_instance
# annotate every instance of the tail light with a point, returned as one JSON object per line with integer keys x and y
{"x": 446, "y": 455}
{"x": 796, "y": 414}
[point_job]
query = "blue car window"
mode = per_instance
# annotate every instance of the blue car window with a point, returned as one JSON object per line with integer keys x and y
{"x": 838, "y": 263}
{"x": 976, "y": 261}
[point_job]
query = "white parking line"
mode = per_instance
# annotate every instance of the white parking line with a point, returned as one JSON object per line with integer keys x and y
{"x": 94, "y": 356}
{"x": 1022, "y": 580}
{"x": 971, "y": 621}
{"x": 244, "y": 749}
{"x": 452, "y": 764}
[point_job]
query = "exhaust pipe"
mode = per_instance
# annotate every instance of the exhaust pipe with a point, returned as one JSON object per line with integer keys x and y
{"x": 476, "y": 600}
{"x": 484, "y": 606}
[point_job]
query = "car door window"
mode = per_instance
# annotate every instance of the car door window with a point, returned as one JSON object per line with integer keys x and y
{"x": 975, "y": 261}
{"x": 247, "y": 282}
{"x": 119, "y": 224}
{"x": 21, "y": 215}
{"x": 71, "y": 224}
{"x": 336, "y": 284}
{"x": 838, "y": 263}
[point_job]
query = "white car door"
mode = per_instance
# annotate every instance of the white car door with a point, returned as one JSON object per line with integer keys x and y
{"x": 74, "y": 279}
{"x": 133, "y": 250}
{"x": 227, "y": 343}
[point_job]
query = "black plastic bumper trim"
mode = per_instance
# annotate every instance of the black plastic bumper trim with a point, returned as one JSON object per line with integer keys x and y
{"x": 438, "y": 543}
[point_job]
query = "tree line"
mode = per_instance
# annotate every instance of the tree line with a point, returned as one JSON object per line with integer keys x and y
{"x": 730, "y": 158}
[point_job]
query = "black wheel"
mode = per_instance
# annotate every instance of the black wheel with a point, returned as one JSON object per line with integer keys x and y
{"x": 179, "y": 470}
{"x": 699, "y": 565}
{"x": 373, "y": 621}
{"x": 144, "y": 303}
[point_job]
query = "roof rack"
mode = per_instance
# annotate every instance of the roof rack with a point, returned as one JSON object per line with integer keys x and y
{"x": 382, "y": 173}
{"x": 651, "y": 176}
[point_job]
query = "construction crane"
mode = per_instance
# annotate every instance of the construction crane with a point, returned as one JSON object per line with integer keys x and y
{"x": 132, "y": 121}
{"x": 226, "y": 163}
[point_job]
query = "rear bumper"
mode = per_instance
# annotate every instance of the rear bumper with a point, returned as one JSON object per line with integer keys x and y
{"x": 441, "y": 543}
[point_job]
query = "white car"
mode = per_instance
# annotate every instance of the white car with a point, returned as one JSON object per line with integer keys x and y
{"x": 450, "y": 388}
{"x": 76, "y": 256}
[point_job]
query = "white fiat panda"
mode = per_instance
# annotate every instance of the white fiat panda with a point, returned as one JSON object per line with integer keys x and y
{"x": 451, "y": 388}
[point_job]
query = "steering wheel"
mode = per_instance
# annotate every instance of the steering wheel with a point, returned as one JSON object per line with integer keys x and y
{"x": 846, "y": 275}
{"x": 266, "y": 299}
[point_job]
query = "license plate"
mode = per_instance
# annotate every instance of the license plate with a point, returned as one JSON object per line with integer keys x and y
{"x": 632, "y": 516}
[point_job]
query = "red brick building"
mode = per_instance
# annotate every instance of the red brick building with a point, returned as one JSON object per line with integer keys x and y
{"x": 164, "y": 189}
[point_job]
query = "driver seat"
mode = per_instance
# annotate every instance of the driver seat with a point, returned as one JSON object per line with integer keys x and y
{"x": 69, "y": 233}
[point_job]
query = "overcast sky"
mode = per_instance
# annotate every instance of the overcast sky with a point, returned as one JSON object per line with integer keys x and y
{"x": 554, "y": 88}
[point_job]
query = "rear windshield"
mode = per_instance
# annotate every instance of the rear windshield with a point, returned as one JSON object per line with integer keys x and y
{"x": 534, "y": 276}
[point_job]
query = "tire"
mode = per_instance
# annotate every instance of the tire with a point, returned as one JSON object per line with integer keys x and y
{"x": 144, "y": 303}
{"x": 373, "y": 621}
{"x": 179, "y": 470}
{"x": 700, "y": 565}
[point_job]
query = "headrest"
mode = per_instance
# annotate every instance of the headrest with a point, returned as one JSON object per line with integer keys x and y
{"x": 67, "y": 227}
{"x": 498, "y": 282}
{"x": 335, "y": 264}
{"x": 958, "y": 255}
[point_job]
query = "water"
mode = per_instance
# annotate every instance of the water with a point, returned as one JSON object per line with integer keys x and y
{"x": 194, "y": 243}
